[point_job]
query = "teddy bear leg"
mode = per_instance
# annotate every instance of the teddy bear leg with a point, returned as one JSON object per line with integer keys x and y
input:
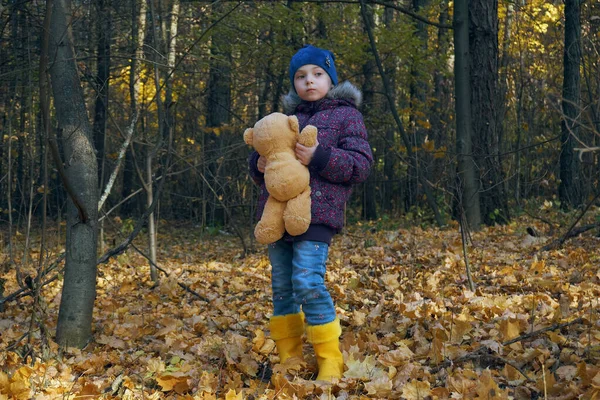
{"x": 270, "y": 228}
{"x": 297, "y": 214}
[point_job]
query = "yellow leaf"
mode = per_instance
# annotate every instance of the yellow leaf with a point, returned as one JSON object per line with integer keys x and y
{"x": 170, "y": 325}
{"x": 364, "y": 370}
{"x": 380, "y": 387}
{"x": 233, "y": 395}
{"x": 429, "y": 145}
{"x": 440, "y": 393}
{"x": 512, "y": 374}
{"x": 155, "y": 366}
{"x": 391, "y": 281}
{"x": 556, "y": 337}
{"x": 596, "y": 381}
{"x": 208, "y": 382}
{"x": 509, "y": 329}
{"x": 259, "y": 340}
{"x": 416, "y": 390}
{"x": 440, "y": 153}
{"x": 459, "y": 384}
{"x": 359, "y": 318}
{"x": 89, "y": 391}
{"x": 22, "y": 374}
{"x": 488, "y": 389}
{"x": 424, "y": 124}
{"x": 461, "y": 325}
{"x": 537, "y": 267}
{"x": 397, "y": 357}
{"x": 4, "y": 381}
{"x": 111, "y": 341}
{"x": 18, "y": 386}
{"x": 170, "y": 382}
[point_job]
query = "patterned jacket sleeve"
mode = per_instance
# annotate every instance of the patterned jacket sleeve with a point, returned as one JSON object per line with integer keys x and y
{"x": 257, "y": 176}
{"x": 351, "y": 161}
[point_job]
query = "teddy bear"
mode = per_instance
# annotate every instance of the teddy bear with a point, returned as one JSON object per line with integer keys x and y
{"x": 287, "y": 180}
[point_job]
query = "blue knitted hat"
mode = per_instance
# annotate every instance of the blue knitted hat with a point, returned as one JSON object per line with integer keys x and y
{"x": 313, "y": 55}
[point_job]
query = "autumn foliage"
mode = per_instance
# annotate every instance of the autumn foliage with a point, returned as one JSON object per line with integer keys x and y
{"x": 412, "y": 330}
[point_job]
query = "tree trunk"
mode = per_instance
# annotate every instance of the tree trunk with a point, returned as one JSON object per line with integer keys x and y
{"x": 485, "y": 105}
{"x": 441, "y": 101}
{"x": 3, "y": 203}
{"x": 218, "y": 114}
{"x": 151, "y": 224}
{"x": 103, "y": 28}
{"x": 158, "y": 42}
{"x": 74, "y": 326}
{"x": 369, "y": 207}
{"x": 503, "y": 85}
{"x": 468, "y": 192}
{"x": 418, "y": 111}
{"x": 170, "y": 41}
{"x": 390, "y": 194}
{"x": 138, "y": 35}
{"x": 569, "y": 189}
{"x": 219, "y": 84}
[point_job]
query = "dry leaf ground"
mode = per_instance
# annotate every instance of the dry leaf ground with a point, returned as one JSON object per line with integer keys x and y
{"x": 412, "y": 330}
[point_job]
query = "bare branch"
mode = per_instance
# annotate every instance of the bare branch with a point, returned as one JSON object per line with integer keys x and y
{"x": 581, "y": 151}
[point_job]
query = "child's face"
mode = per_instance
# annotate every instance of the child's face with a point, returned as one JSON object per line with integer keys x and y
{"x": 311, "y": 82}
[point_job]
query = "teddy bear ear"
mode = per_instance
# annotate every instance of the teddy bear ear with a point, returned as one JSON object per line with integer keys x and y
{"x": 248, "y": 136}
{"x": 293, "y": 121}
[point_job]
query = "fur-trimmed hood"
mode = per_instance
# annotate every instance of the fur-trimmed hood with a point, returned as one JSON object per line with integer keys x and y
{"x": 344, "y": 91}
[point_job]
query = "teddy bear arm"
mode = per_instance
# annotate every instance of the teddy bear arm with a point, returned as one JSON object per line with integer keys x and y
{"x": 308, "y": 136}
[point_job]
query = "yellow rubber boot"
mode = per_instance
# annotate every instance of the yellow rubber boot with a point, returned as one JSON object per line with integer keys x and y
{"x": 326, "y": 342}
{"x": 286, "y": 331}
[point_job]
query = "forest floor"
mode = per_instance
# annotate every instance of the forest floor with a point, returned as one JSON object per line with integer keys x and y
{"x": 412, "y": 329}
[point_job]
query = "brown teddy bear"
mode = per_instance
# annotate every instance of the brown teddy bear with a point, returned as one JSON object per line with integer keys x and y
{"x": 287, "y": 180}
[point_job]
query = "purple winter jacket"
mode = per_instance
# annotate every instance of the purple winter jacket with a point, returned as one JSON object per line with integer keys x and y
{"x": 343, "y": 157}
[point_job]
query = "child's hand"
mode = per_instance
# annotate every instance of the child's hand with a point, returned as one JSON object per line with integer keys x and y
{"x": 261, "y": 164}
{"x": 305, "y": 154}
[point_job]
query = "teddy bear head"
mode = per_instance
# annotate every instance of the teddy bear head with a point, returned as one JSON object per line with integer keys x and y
{"x": 274, "y": 133}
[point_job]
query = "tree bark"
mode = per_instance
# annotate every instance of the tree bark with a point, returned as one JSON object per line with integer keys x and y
{"x": 569, "y": 189}
{"x": 485, "y": 105}
{"x": 103, "y": 29}
{"x": 138, "y": 35}
{"x": 418, "y": 109}
{"x": 390, "y": 195}
{"x": 441, "y": 102}
{"x": 74, "y": 326}
{"x": 218, "y": 114}
{"x": 468, "y": 192}
{"x": 369, "y": 207}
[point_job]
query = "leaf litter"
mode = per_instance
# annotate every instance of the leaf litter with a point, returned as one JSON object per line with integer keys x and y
{"x": 411, "y": 328}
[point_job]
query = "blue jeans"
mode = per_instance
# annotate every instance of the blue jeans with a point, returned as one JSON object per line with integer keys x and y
{"x": 298, "y": 280}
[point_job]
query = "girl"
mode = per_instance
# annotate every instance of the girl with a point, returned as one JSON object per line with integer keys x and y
{"x": 342, "y": 157}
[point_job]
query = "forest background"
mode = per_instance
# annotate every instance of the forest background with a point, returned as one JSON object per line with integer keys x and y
{"x": 126, "y": 117}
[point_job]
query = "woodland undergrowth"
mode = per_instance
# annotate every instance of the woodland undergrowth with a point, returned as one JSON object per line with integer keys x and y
{"x": 411, "y": 327}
